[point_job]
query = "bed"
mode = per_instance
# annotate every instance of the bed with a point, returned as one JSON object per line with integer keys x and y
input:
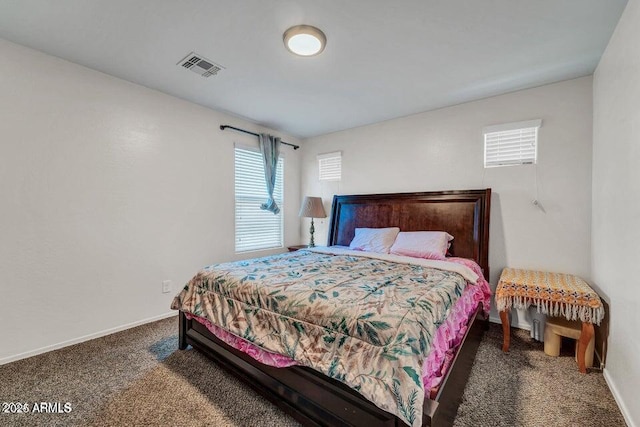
{"x": 313, "y": 397}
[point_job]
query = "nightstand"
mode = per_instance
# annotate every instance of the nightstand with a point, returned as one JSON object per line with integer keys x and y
{"x": 297, "y": 247}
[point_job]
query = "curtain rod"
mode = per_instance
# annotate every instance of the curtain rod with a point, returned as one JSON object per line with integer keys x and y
{"x": 223, "y": 127}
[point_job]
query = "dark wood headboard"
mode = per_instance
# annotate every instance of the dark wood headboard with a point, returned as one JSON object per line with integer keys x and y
{"x": 464, "y": 214}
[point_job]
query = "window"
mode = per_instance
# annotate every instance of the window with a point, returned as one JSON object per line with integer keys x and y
{"x": 511, "y": 144}
{"x": 330, "y": 166}
{"x": 256, "y": 228}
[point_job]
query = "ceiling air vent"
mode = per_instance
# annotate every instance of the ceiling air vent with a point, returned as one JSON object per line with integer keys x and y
{"x": 200, "y": 65}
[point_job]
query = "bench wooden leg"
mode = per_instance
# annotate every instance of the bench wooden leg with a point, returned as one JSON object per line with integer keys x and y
{"x": 585, "y": 337}
{"x": 506, "y": 330}
{"x": 552, "y": 342}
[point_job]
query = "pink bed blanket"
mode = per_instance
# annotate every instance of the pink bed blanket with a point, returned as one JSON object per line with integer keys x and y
{"x": 450, "y": 334}
{"x": 447, "y": 338}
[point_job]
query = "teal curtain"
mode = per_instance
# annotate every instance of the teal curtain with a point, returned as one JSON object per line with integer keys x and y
{"x": 270, "y": 148}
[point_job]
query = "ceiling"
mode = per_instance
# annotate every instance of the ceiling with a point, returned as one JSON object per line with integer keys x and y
{"x": 384, "y": 59}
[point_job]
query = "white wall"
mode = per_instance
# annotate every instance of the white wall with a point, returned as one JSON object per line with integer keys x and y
{"x": 443, "y": 150}
{"x": 106, "y": 189}
{"x": 616, "y": 204}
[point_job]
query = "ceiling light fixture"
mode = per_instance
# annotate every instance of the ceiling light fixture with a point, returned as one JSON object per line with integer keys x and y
{"x": 304, "y": 40}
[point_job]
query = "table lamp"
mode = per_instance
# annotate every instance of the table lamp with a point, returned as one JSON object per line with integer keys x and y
{"x": 312, "y": 208}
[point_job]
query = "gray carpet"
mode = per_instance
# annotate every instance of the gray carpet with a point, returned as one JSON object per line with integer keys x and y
{"x": 528, "y": 388}
{"x": 139, "y": 378}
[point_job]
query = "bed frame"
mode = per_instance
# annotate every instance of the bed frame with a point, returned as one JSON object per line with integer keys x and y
{"x": 317, "y": 400}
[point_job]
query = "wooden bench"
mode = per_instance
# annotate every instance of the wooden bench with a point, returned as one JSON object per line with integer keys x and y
{"x": 555, "y": 294}
{"x": 558, "y": 327}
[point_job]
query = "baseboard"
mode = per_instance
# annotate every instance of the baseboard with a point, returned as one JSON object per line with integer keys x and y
{"x": 525, "y": 326}
{"x": 618, "y": 399}
{"x": 84, "y": 338}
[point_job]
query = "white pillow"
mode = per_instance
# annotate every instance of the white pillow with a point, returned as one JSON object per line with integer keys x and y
{"x": 422, "y": 244}
{"x": 377, "y": 240}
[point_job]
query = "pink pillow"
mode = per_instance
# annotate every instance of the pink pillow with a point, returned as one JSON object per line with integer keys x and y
{"x": 422, "y": 244}
{"x": 377, "y": 240}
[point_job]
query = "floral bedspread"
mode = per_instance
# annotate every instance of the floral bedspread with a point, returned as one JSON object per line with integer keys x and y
{"x": 363, "y": 321}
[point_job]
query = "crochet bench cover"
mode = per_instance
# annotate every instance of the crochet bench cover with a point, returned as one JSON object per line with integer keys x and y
{"x": 555, "y": 294}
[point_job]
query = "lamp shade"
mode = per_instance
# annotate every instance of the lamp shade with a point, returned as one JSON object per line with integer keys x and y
{"x": 312, "y": 208}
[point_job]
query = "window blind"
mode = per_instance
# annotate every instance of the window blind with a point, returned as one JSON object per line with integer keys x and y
{"x": 330, "y": 166}
{"x": 511, "y": 144}
{"x": 256, "y": 228}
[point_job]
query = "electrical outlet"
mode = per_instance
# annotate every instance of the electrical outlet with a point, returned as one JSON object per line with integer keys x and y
{"x": 166, "y": 286}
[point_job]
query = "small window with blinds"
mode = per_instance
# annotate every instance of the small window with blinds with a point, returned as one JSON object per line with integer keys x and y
{"x": 330, "y": 166}
{"x": 256, "y": 229}
{"x": 511, "y": 144}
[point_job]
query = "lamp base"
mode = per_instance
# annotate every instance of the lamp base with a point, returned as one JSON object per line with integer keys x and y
{"x": 312, "y": 230}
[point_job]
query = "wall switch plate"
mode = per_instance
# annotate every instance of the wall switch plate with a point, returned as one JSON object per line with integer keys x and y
{"x": 166, "y": 286}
